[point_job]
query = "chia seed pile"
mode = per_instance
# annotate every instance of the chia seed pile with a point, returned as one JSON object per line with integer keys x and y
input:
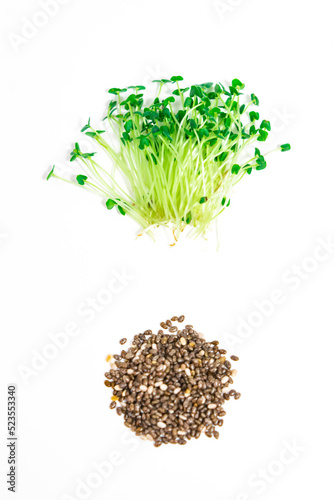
{"x": 171, "y": 386}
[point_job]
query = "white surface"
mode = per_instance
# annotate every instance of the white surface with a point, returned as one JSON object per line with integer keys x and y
{"x": 59, "y": 247}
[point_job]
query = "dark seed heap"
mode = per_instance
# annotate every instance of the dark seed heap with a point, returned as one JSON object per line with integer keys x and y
{"x": 171, "y": 386}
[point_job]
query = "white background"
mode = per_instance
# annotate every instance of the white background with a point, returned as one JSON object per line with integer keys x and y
{"x": 59, "y": 247}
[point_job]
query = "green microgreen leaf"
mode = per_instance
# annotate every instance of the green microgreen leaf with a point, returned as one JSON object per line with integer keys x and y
{"x": 81, "y": 179}
{"x": 235, "y": 169}
{"x": 188, "y": 102}
{"x": 195, "y": 90}
{"x": 50, "y": 174}
{"x": 128, "y": 125}
{"x": 254, "y": 115}
{"x": 86, "y": 126}
{"x": 285, "y": 147}
{"x": 116, "y": 91}
{"x": 143, "y": 142}
{"x": 204, "y": 199}
{"x": 265, "y": 124}
{"x": 176, "y": 79}
{"x": 255, "y": 100}
{"x": 121, "y": 210}
{"x": 261, "y": 163}
{"x": 237, "y": 84}
{"x": 163, "y": 80}
{"x": 137, "y": 87}
{"x": 110, "y": 204}
{"x": 168, "y": 100}
{"x": 206, "y": 85}
{"x": 263, "y": 134}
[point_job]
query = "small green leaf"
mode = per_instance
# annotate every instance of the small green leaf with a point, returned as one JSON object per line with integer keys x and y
{"x": 235, "y": 169}
{"x": 255, "y": 99}
{"x": 195, "y": 90}
{"x": 285, "y": 147}
{"x": 137, "y": 87}
{"x": 128, "y": 126}
{"x": 203, "y": 199}
{"x": 192, "y": 124}
{"x": 234, "y": 91}
{"x": 176, "y": 79}
{"x": 168, "y": 100}
{"x": 81, "y": 179}
{"x": 143, "y": 141}
{"x": 263, "y": 134}
{"x": 223, "y": 156}
{"x": 91, "y": 134}
{"x": 223, "y": 201}
{"x": 163, "y": 80}
{"x": 180, "y": 115}
{"x": 242, "y": 108}
{"x": 87, "y": 155}
{"x": 188, "y": 102}
{"x": 228, "y": 203}
{"x": 252, "y": 130}
{"x": 265, "y": 124}
{"x": 50, "y": 174}
{"x": 261, "y": 163}
{"x": 237, "y": 83}
{"x": 121, "y": 210}
{"x": 206, "y": 85}
{"x": 86, "y": 126}
{"x": 116, "y": 91}
{"x": 254, "y": 115}
{"x": 188, "y": 218}
{"x": 110, "y": 204}
{"x": 203, "y": 132}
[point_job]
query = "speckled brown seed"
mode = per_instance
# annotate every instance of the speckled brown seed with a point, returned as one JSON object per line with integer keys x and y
{"x": 123, "y": 341}
{"x": 171, "y": 386}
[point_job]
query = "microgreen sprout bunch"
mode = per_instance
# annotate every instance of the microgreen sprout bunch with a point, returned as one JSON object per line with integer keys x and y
{"x": 175, "y": 158}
